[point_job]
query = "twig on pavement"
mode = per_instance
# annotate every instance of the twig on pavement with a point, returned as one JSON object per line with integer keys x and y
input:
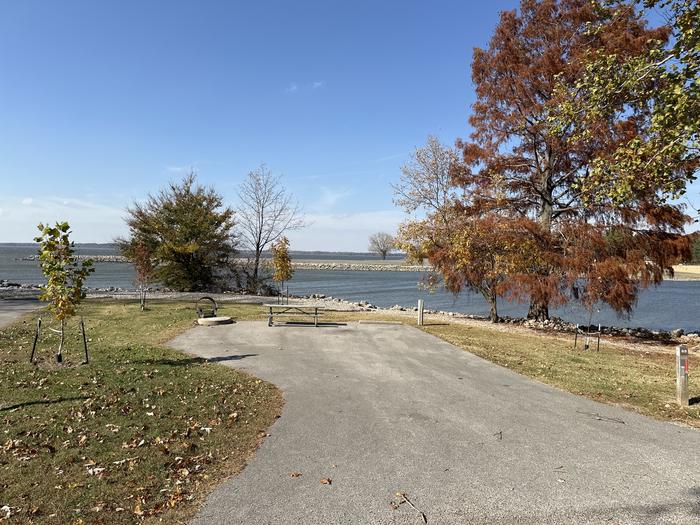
{"x": 405, "y": 498}
{"x": 598, "y": 417}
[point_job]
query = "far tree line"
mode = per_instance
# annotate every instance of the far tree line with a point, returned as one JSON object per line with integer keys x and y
{"x": 187, "y": 239}
{"x": 586, "y": 134}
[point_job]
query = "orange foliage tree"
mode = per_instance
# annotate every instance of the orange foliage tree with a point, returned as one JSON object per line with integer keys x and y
{"x": 521, "y": 164}
{"x": 521, "y": 223}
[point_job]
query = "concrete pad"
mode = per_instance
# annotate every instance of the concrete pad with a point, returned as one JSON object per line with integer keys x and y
{"x": 214, "y": 321}
{"x": 381, "y": 409}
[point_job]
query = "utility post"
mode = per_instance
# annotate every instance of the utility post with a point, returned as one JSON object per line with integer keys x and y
{"x": 682, "y": 375}
{"x": 420, "y": 312}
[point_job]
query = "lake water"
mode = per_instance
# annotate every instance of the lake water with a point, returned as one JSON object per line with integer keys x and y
{"x": 673, "y": 304}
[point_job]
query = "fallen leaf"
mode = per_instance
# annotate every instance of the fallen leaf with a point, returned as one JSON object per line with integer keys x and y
{"x": 295, "y": 474}
{"x": 326, "y": 481}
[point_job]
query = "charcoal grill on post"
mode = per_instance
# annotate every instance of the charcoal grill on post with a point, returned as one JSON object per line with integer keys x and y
{"x": 206, "y": 307}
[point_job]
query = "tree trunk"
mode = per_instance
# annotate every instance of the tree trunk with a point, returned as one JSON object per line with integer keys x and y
{"x": 59, "y": 354}
{"x": 492, "y": 299}
{"x": 256, "y": 265}
{"x": 493, "y": 311}
{"x": 254, "y": 285}
{"x": 538, "y": 311}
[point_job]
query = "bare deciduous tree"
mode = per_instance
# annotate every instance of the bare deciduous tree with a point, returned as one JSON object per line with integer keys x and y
{"x": 381, "y": 243}
{"x": 426, "y": 186}
{"x": 425, "y": 180}
{"x": 266, "y": 212}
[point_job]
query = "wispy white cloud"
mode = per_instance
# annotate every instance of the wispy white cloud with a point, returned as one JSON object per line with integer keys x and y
{"x": 181, "y": 169}
{"x": 343, "y": 232}
{"x": 28, "y": 201}
{"x": 329, "y": 197}
{"x": 295, "y": 87}
{"x": 91, "y": 221}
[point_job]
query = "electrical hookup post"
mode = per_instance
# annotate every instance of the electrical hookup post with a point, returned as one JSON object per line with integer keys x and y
{"x": 682, "y": 375}
{"x": 420, "y": 312}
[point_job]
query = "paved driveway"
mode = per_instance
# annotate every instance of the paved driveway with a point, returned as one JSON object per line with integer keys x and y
{"x": 11, "y": 309}
{"x": 381, "y": 409}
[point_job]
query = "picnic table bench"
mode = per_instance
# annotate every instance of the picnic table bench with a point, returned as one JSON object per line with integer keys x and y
{"x": 285, "y": 310}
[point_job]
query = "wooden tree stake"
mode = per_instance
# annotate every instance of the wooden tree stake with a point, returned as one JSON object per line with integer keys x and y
{"x": 36, "y": 339}
{"x": 85, "y": 346}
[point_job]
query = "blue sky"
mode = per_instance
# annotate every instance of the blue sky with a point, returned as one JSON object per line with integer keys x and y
{"x": 104, "y": 102}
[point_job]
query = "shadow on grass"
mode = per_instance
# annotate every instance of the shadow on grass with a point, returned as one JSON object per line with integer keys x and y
{"x": 43, "y": 402}
{"x": 694, "y": 400}
{"x": 192, "y": 360}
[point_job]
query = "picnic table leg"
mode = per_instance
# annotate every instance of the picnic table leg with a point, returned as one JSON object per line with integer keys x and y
{"x": 269, "y": 319}
{"x": 316, "y": 317}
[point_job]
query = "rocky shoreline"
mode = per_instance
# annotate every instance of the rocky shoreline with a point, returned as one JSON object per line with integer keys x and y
{"x": 94, "y": 258}
{"x": 554, "y": 324}
{"x": 10, "y": 290}
{"x": 360, "y": 267}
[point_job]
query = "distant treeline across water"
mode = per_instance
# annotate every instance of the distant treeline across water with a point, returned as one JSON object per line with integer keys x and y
{"x": 673, "y": 304}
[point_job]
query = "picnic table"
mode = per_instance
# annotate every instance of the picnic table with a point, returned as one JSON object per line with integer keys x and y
{"x": 287, "y": 310}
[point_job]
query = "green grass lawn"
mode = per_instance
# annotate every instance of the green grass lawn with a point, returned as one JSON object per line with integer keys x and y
{"x": 142, "y": 432}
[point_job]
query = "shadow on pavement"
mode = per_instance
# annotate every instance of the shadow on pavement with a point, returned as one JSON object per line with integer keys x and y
{"x": 306, "y": 323}
{"x": 193, "y": 360}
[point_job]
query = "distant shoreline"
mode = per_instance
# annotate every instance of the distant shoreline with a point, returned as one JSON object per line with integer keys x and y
{"x": 356, "y": 266}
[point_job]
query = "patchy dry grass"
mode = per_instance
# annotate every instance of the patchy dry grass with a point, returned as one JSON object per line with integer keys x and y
{"x": 141, "y": 433}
